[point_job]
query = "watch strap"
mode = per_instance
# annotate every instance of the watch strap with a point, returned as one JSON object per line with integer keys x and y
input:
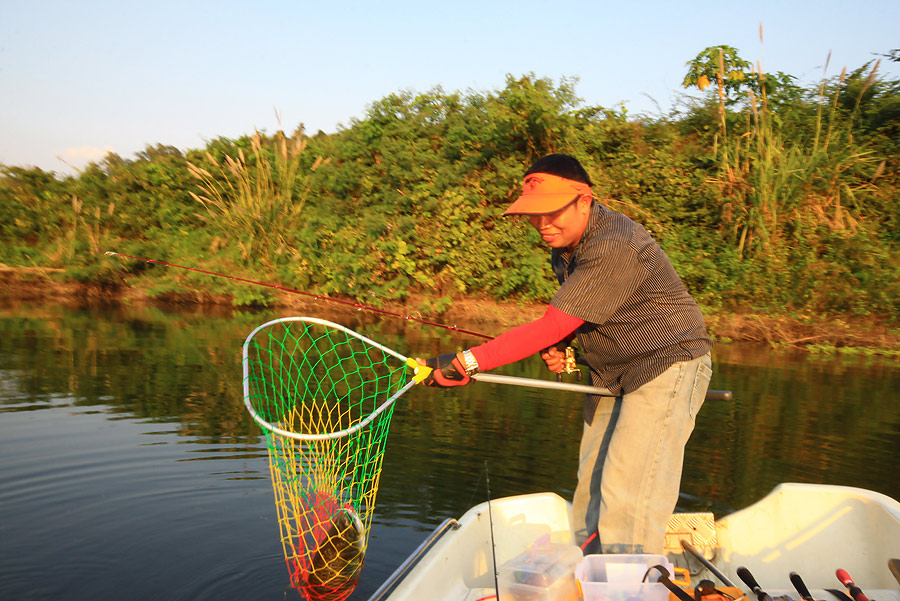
{"x": 469, "y": 362}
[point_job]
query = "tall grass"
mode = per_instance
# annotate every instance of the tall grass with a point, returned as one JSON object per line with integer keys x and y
{"x": 772, "y": 185}
{"x": 85, "y": 231}
{"x": 256, "y": 202}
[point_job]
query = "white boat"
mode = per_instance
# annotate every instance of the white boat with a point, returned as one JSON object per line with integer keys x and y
{"x": 809, "y": 529}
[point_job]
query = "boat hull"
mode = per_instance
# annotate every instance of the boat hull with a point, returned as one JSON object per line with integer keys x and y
{"x": 814, "y": 530}
{"x": 805, "y": 528}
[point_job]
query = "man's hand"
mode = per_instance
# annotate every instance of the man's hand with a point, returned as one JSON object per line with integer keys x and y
{"x": 447, "y": 371}
{"x": 555, "y": 357}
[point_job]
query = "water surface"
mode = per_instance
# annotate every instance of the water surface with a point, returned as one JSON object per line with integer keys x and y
{"x": 131, "y": 470}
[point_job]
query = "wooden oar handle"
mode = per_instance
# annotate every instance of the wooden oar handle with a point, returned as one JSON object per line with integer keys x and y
{"x": 894, "y": 567}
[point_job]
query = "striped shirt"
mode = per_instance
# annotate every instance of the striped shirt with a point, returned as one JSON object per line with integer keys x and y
{"x": 638, "y": 317}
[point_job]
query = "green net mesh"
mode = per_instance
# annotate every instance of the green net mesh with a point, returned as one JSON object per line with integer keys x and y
{"x": 324, "y": 397}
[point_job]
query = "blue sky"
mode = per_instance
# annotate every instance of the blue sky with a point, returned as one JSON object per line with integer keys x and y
{"x": 79, "y": 79}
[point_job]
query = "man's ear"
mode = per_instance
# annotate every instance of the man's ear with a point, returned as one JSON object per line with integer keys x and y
{"x": 584, "y": 202}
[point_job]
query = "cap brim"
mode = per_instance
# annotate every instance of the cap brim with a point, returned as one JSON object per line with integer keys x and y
{"x": 540, "y": 204}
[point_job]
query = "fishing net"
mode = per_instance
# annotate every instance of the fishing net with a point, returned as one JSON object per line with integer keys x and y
{"x": 324, "y": 397}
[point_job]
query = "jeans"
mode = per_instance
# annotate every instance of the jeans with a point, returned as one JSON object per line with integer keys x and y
{"x": 631, "y": 456}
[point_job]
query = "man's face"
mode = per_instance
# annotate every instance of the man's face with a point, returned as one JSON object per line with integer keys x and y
{"x": 563, "y": 229}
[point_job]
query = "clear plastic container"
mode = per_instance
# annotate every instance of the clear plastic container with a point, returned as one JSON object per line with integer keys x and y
{"x": 621, "y": 578}
{"x": 544, "y": 572}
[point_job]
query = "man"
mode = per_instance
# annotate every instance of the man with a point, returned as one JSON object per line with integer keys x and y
{"x": 644, "y": 339}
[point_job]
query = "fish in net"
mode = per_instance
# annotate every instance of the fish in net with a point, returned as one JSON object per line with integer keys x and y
{"x": 324, "y": 396}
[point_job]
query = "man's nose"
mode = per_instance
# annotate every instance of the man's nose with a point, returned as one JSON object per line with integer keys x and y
{"x": 540, "y": 221}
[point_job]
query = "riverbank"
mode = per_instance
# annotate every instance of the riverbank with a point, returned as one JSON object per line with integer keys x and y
{"x": 845, "y": 334}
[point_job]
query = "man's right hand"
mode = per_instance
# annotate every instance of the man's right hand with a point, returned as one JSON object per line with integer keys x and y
{"x": 555, "y": 357}
{"x": 447, "y": 371}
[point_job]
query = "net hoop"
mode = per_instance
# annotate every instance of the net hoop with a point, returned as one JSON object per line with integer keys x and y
{"x": 330, "y": 435}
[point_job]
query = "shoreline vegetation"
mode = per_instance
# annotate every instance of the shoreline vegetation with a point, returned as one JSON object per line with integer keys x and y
{"x": 834, "y": 335}
{"x": 777, "y": 204}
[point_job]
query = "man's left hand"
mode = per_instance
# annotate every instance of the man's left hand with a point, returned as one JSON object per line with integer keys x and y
{"x": 555, "y": 357}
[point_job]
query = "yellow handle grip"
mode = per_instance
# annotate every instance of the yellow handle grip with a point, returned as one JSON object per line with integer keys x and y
{"x": 421, "y": 371}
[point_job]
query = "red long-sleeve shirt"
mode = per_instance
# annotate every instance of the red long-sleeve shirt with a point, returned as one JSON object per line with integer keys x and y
{"x": 526, "y": 340}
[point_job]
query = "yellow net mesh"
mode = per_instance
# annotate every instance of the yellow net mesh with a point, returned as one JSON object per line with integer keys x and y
{"x": 324, "y": 398}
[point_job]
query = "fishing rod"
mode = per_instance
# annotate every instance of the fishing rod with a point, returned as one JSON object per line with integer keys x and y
{"x": 717, "y": 395}
{"x": 358, "y": 306}
{"x": 487, "y": 481}
{"x": 706, "y": 563}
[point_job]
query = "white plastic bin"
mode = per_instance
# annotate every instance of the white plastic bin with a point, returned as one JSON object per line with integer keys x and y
{"x": 544, "y": 572}
{"x": 621, "y": 578}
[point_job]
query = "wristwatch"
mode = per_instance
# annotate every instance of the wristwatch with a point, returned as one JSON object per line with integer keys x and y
{"x": 470, "y": 364}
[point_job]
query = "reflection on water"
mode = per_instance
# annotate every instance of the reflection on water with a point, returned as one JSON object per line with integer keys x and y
{"x": 131, "y": 469}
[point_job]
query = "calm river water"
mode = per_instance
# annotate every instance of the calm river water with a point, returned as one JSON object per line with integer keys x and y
{"x": 130, "y": 469}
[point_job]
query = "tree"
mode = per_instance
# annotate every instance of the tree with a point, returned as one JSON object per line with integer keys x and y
{"x": 720, "y": 64}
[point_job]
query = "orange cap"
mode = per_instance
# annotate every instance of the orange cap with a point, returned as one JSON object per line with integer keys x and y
{"x": 543, "y": 193}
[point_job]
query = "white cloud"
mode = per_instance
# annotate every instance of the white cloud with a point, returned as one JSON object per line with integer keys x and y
{"x": 78, "y": 157}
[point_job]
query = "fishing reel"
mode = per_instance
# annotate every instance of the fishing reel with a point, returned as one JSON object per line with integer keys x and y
{"x": 570, "y": 365}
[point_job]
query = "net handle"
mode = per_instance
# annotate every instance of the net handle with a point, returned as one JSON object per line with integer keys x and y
{"x": 245, "y": 359}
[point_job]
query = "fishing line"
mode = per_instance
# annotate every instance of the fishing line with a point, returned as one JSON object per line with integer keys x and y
{"x": 358, "y": 306}
{"x": 475, "y": 490}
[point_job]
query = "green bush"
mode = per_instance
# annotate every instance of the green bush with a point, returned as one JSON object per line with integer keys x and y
{"x": 790, "y": 207}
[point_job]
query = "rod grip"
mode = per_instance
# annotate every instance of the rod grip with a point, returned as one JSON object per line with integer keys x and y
{"x": 745, "y": 575}
{"x": 800, "y": 586}
{"x": 845, "y": 579}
